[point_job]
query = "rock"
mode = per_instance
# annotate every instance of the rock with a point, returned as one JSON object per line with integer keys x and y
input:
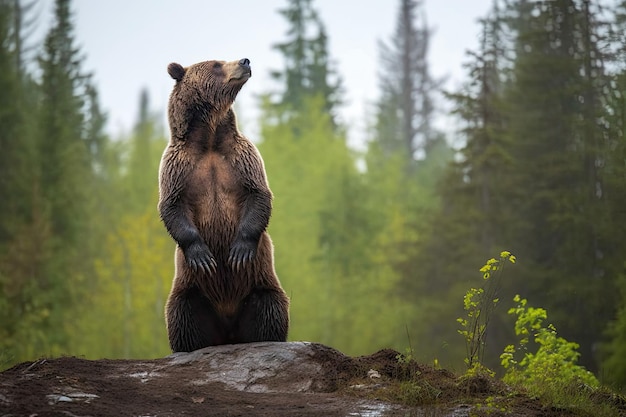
{"x": 262, "y": 367}
{"x": 256, "y": 379}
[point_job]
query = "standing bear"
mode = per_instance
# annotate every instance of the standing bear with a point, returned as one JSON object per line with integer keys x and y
{"x": 215, "y": 202}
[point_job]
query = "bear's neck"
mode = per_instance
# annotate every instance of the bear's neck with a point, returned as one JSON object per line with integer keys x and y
{"x": 216, "y": 122}
{"x": 206, "y": 122}
{"x": 215, "y": 126}
{"x": 211, "y": 120}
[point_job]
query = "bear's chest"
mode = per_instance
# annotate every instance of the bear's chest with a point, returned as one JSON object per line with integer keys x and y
{"x": 214, "y": 187}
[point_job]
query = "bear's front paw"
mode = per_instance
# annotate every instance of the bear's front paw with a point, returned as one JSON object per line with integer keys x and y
{"x": 200, "y": 258}
{"x": 241, "y": 253}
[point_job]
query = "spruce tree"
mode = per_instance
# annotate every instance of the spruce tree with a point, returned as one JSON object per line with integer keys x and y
{"x": 556, "y": 101}
{"x": 404, "y": 160}
{"x": 65, "y": 149}
{"x": 308, "y": 69}
{"x": 15, "y": 154}
{"x": 474, "y": 193}
{"x": 318, "y": 225}
{"x": 14, "y": 184}
{"x": 614, "y": 191}
{"x": 406, "y": 108}
{"x": 64, "y": 157}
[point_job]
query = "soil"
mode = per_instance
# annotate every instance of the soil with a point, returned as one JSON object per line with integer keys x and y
{"x": 260, "y": 379}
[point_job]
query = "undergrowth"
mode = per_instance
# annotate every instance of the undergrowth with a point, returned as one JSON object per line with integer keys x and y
{"x": 551, "y": 372}
{"x": 542, "y": 365}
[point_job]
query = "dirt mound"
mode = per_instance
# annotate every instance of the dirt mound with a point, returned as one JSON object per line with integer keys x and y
{"x": 258, "y": 379}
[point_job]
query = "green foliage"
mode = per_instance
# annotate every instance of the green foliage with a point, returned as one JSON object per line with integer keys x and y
{"x": 124, "y": 313}
{"x": 324, "y": 240}
{"x": 15, "y": 180}
{"x": 300, "y": 158}
{"x": 474, "y": 200}
{"x": 551, "y": 372}
{"x": 343, "y": 238}
{"x": 479, "y": 304}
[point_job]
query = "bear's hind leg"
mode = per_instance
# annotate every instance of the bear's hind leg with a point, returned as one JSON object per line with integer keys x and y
{"x": 263, "y": 317}
{"x": 191, "y": 322}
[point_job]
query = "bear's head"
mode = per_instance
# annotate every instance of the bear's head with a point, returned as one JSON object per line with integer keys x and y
{"x": 209, "y": 86}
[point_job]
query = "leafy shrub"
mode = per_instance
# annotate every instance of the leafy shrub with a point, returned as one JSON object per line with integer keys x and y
{"x": 551, "y": 372}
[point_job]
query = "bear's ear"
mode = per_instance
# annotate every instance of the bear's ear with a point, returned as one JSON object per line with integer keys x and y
{"x": 176, "y": 71}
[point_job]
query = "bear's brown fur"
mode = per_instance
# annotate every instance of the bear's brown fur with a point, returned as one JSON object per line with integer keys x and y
{"x": 216, "y": 203}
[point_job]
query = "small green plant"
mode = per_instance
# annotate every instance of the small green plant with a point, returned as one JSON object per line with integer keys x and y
{"x": 493, "y": 405}
{"x": 406, "y": 362}
{"x": 407, "y": 359}
{"x": 412, "y": 390}
{"x": 417, "y": 392}
{"x": 479, "y": 303}
{"x": 550, "y": 373}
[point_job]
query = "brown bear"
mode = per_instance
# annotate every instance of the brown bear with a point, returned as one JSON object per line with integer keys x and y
{"x": 215, "y": 202}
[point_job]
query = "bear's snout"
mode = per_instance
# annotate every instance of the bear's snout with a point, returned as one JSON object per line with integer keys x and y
{"x": 244, "y": 63}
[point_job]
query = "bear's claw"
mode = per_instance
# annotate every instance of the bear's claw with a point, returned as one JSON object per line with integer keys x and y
{"x": 200, "y": 258}
{"x": 240, "y": 254}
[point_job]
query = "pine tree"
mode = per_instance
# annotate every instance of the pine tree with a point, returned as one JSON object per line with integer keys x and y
{"x": 65, "y": 174}
{"x": 558, "y": 149}
{"x": 614, "y": 191}
{"x": 473, "y": 214}
{"x": 319, "y": 226}
{"x": 308, "y": 69}
{"x": 64, "y": 156}
{"x": 13, "y": 181}
{"x": 404, "y": 160}
{"x": 14, "y": 158}
{"x": 484, "y": 160}
{"x": 406, "y": 109}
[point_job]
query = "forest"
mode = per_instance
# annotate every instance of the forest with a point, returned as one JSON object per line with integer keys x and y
{"x": 375, "y": 247}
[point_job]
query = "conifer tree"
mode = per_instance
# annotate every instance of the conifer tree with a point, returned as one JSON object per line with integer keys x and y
{"x": 308, "y": 69}
{"x": 477, "y": 176}
{"x": 404, "y": 159}
{"x": 614, "y": 191}
{"x": 65, "y": 149}
{"x": 557, "y": 146}
{"x": 14, "y": 158}
{"x": 317, "y": 226}
{"x": 15, "y": 180}
{"x": 473, "y": 211}
{"x": 64, "y": 157}
{"x": 406, "y": 108}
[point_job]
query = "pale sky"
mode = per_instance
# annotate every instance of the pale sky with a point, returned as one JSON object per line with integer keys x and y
{"x": 128, "y": 45}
